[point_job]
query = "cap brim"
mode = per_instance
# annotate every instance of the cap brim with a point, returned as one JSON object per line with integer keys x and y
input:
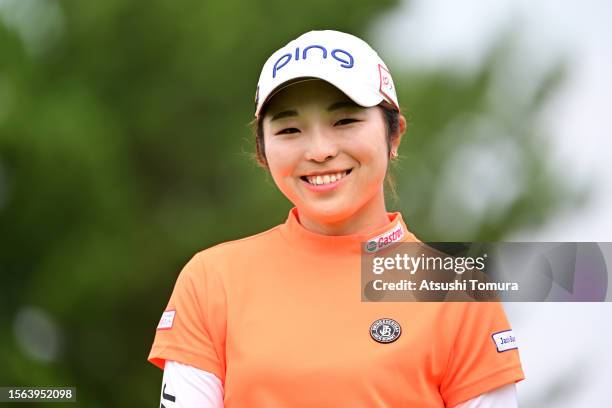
{"x": 360, "y": 95}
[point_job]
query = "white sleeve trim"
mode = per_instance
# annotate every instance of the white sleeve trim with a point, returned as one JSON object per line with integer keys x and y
{"x": 184, "y": 386}
{"x": 502, "y": 397}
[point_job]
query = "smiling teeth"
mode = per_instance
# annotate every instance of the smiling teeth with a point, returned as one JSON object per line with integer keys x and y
{"x": 326, "y": 179}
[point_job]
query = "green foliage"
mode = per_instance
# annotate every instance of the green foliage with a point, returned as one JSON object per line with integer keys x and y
{"x": 124, "y": 149}
{"x": 475, "y": 165}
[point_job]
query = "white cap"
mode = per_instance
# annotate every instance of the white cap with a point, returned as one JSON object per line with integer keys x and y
{"x": 343, "y": 60}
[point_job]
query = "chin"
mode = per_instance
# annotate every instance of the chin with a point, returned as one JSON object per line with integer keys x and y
{"x": 328, "y": 213}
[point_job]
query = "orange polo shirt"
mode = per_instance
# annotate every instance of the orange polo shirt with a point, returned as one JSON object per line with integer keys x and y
{"x": 278, "y": 317}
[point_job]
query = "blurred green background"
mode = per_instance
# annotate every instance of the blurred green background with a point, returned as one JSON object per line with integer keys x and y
{"x": 125, "y": 148}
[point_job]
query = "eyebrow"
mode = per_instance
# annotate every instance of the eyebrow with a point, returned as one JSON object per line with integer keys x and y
{"x": 343, "y": 104}
{"x": 283, "y": 114}
{"x": 334, "y": 106}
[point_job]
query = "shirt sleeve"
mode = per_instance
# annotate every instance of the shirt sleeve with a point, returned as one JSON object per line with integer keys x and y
{"x": 192, "y": 328}
{"x": 484, "y": 354}
{"x": 502, "y": 397}
{"x": 185, "y": 386}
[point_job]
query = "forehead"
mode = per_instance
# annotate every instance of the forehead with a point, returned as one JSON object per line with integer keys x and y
{"x": 307, "y": 92}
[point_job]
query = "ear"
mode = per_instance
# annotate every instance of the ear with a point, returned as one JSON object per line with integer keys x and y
{"x": 401, "y": 129}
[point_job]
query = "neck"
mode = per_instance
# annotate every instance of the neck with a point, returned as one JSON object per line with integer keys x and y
{"x": 371, "y": 216}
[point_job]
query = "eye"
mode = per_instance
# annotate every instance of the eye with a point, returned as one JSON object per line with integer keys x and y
{"x": 345, "y": 121}
{"x": 287, "y": 131}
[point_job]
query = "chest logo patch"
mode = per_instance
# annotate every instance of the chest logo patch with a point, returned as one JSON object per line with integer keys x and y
{"x": 385, "y": 330}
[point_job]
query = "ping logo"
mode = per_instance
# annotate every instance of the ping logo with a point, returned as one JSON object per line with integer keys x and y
{"x": 385, "y": 330}
{"x": 345, "y": 58}
{"x": 504, "y": 340}
{"x": 385, "y": 239}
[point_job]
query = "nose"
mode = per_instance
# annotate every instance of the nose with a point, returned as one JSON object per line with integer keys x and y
{"x": 321, "y": 146}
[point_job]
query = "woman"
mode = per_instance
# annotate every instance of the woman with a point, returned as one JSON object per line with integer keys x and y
{"x": 275, "y": 319}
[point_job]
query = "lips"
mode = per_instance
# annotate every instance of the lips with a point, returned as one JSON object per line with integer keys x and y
{"x": 324, "y": 182}
{"x": 325, "y": 178}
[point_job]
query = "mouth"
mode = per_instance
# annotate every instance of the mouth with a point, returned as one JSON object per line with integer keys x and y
{"x": 326, "y": 178}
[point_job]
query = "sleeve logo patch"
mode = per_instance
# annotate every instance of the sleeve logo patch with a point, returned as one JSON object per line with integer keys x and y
{"x": 167, "y": 319}
{"x": 504, "y": 340}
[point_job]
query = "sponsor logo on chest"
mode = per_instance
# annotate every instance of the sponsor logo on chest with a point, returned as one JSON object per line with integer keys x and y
{"x": 385, "y": 330}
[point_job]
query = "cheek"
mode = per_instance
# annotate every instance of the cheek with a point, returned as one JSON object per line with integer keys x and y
{"x": 370, "y": 149}
{"x": 282, "y": 160}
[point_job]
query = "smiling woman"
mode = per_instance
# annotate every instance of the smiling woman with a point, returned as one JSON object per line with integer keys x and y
{"x": 312, "y": 133}
{"x": 275, "y": 319}
{"x": 395, "y": 125}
